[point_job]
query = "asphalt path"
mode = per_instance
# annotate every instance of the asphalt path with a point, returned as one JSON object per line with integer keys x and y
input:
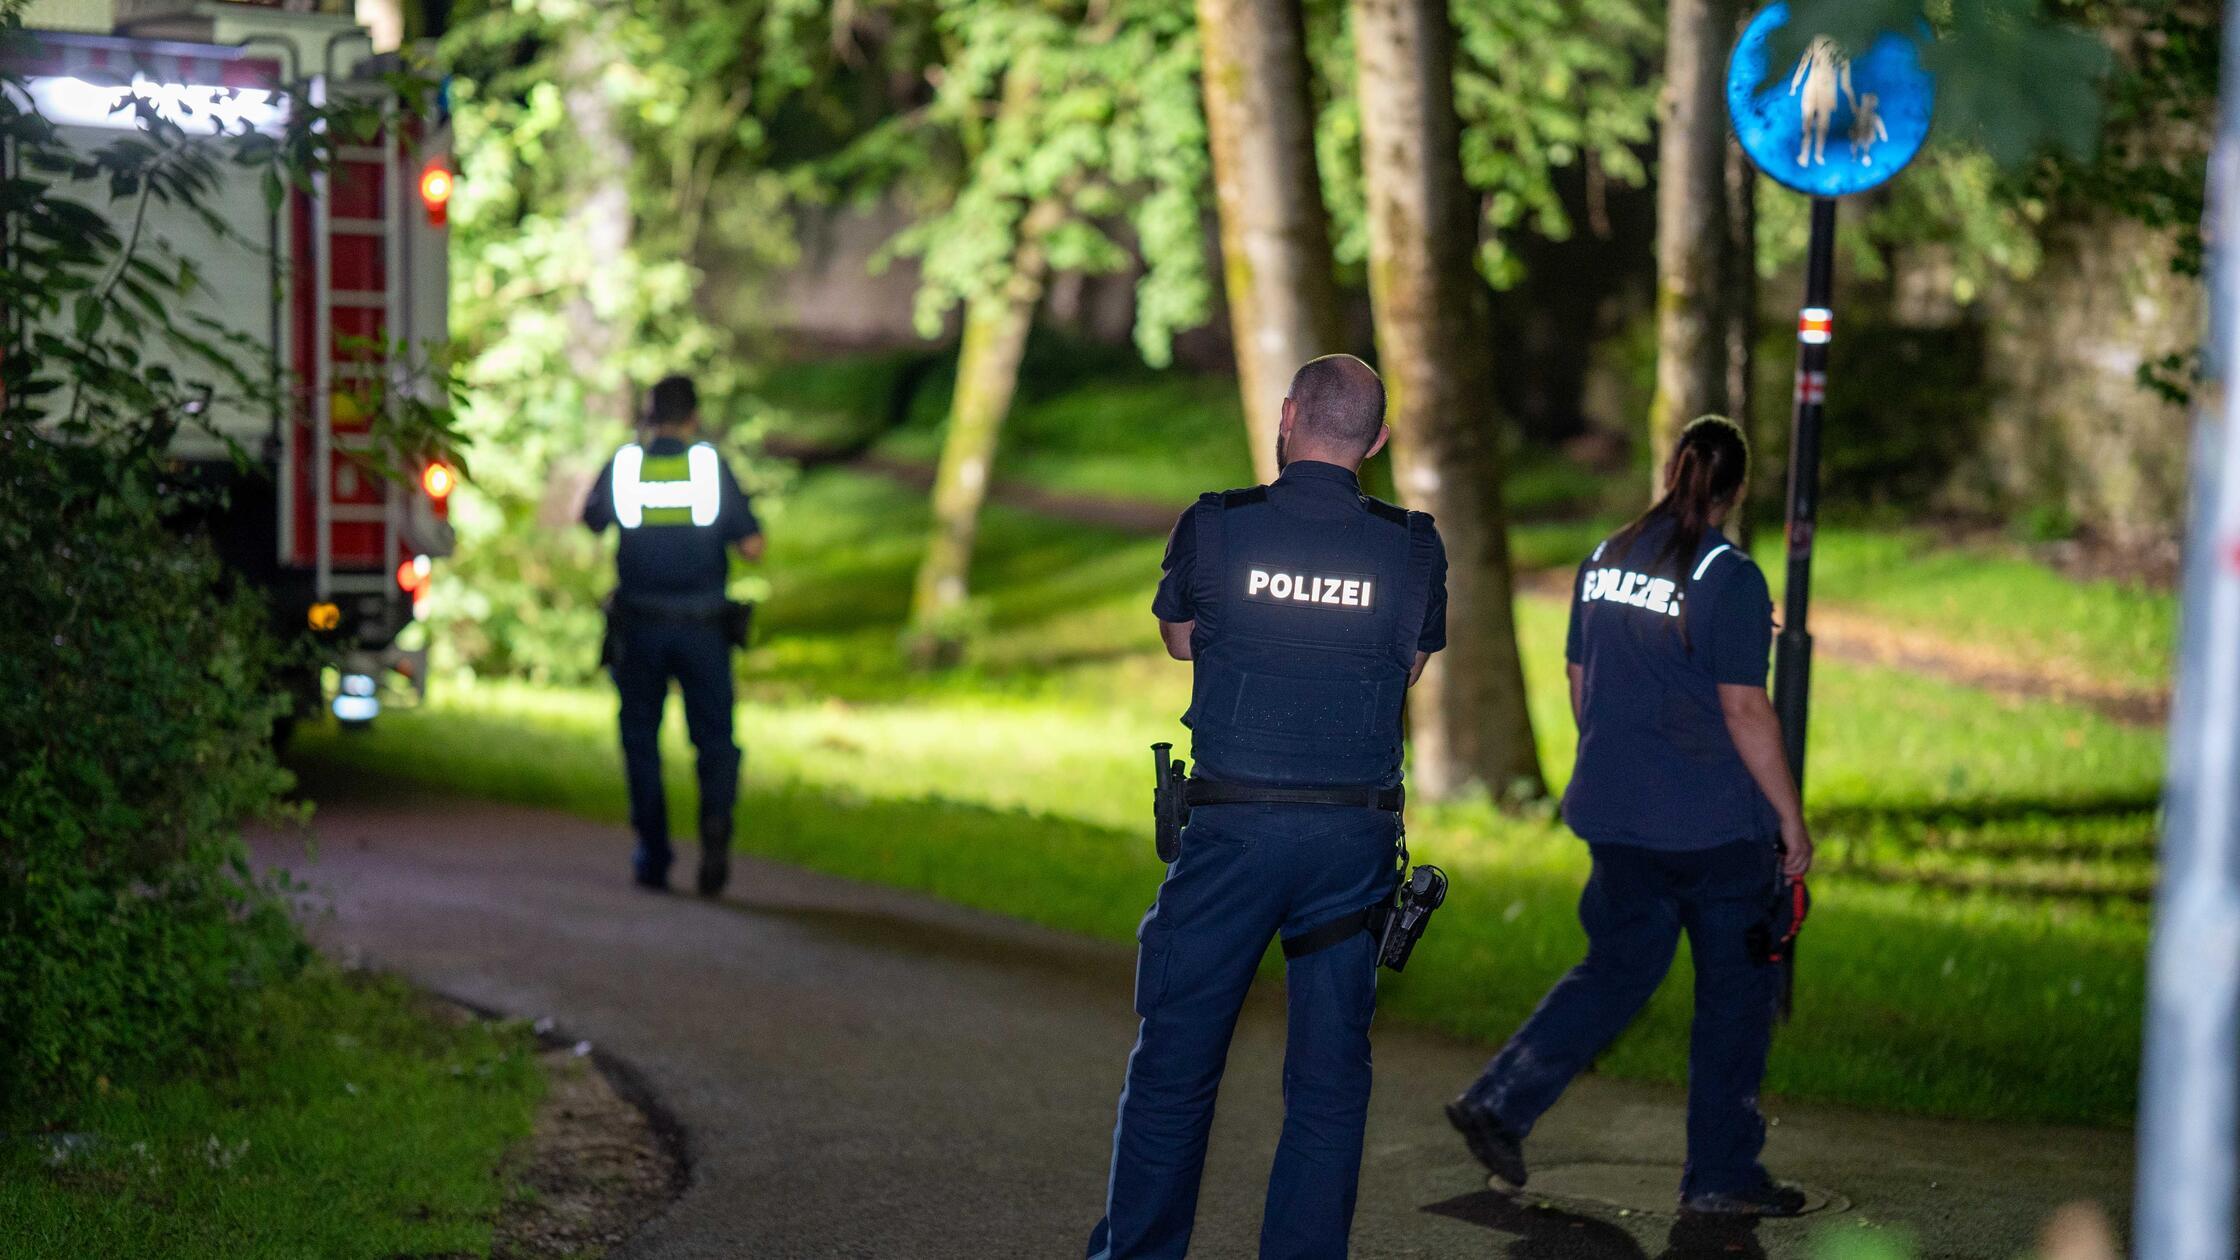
{"x": 863, "y": 1072}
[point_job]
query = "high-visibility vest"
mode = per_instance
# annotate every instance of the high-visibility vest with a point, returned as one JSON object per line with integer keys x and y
{"x": 657, "y": 490}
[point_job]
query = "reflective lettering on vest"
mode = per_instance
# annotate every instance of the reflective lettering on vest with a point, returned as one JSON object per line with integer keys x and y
{"x": 1323, "y": 590}
{"x": 659, "y": 490}
{"x": 1623, "y": 586}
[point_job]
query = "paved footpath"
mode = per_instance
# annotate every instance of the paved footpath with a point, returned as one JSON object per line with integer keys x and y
{"x": 862, "y": 1072}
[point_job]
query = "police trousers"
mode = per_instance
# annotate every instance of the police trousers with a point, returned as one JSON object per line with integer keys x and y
{"x": 651, "y": 650}
{"x": 1246, "y": 874}
{"x": 1637, "y": 903}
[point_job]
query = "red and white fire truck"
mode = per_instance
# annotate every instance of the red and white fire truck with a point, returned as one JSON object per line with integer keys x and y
{"x": 343, "y": 285}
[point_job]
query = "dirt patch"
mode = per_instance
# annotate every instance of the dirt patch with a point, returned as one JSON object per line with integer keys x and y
{"x": 594, "y": 1168}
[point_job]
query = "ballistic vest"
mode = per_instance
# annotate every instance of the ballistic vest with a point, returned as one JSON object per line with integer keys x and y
{"x": 667, "y": 490}
{"x": 668, "y": 499}
{"x": 1314, "y": 625}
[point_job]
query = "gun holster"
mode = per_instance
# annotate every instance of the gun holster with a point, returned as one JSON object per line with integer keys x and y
{"x": 738, "y": 622}
{"x": 610, "y": 638}
{"x": 1170, "y": 811}
{"x": 1398, "y": 924}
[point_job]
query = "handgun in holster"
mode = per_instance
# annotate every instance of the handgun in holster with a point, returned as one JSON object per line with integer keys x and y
{"x": 1170, "y": 811}
{"x": 1399, "y": 923}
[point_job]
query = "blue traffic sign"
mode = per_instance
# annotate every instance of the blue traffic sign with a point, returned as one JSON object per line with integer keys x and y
{"x": 1828, "y": 125}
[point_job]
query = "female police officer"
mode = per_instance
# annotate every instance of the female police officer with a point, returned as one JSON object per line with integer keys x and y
{"x": 1684, "y": 797}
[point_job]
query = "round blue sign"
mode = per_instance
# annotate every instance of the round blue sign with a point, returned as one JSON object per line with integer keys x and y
{"x": 1828, "y": 125}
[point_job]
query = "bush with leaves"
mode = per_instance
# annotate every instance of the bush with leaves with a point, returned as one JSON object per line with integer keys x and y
{"x": 138, "y": 678}
{"x": 137, "y": 701}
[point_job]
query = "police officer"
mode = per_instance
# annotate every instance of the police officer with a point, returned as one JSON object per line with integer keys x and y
{"x": 1685, "y": 799}
{"x": 1307, "y": 610}
{"x": 681, "y": 513}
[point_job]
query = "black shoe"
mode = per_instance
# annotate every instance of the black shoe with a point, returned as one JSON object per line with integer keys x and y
{"x": 651, "y": 882}
{"x": 1495, "y": 1147}
{"x": 1770, "y": 1199}
{"x": 715, "y": 872}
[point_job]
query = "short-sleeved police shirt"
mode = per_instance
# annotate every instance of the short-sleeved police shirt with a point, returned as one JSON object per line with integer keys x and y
{"x": 1655, "y": 640}
{"x": 1314, "y": 488}
{"x": 665, "y": 562}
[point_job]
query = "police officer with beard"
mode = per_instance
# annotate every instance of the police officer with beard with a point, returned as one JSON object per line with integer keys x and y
{"x": 681, "y": 513}
{"x": 1307, "y": 609}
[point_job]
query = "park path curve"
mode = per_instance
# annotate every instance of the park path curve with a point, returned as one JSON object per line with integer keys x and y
{"x": 864, "y": 1072}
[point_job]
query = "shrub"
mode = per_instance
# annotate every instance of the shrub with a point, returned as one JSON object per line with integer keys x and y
{"x": 137, "y": 700}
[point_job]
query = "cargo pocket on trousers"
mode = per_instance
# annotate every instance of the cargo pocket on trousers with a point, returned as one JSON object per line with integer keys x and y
{"x": 1151, "y": 968}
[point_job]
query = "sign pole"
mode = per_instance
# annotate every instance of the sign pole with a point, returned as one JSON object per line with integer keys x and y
{"x": 1792, "y": 658}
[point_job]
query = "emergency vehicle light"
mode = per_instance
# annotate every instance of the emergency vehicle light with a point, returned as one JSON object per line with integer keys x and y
{"x": 355, "y": 700}
{"x": 203, "y": 108}
{"x": 438, "y": 480}
{"x": 412, "y": 575}
{"x": 435, "y": 191}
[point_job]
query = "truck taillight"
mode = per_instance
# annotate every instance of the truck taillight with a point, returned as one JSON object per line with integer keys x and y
{"x": 435, "y": 191}
{"x": 412, "y": 575}
{"x": 438, "y": 480}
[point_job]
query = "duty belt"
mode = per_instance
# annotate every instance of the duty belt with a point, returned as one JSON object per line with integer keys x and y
{"x": 1196, "y": 792}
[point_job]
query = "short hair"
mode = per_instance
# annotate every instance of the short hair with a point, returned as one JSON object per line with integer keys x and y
{"x": 1340, "y": 402}
{"x": 672, "y": 400}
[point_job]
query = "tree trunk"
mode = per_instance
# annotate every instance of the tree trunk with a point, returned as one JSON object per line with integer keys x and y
{"x": 1468, "y": 717}
{"x": 1692, "y": 241}
{"x": 1275, "y": 232}
{"x": 601, "y": 218}
{"x": 1739, "y": 309}
{"x": 994, "y": 341}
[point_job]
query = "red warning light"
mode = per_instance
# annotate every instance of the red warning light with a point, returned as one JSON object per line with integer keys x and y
{"x": 435, "y": 191}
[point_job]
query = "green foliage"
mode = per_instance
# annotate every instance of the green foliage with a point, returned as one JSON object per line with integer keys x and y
{"x": 607, "y": 152}
{"x": 1585, "y": 96}
{"x": 2009, "y": 80}
{"x": 352, "y": 1123}
{"x": 136, "y": 709}
{"x": 138, "y": 688}
{"x": 1092, "y": 109}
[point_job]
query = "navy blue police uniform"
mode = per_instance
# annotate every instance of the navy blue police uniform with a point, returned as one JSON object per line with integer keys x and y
{"x": 1682, "y": 841}
{"x": 1310, "y": 602}
{"x": 680, "y": 512}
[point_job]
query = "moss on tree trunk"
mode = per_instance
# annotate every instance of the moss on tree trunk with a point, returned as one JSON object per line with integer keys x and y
{"x": 1468, "y": 717}
{"x": 1275, "y": 231}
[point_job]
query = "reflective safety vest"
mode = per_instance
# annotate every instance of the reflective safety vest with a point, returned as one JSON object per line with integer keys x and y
{"x": 657, "y": 490}
{"x": 1314, "y": 625}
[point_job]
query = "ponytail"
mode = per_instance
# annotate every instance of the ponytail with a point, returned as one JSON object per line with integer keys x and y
{"x": 1707, "y": 467}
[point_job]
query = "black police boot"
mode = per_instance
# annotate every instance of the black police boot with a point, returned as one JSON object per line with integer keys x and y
{"x": 1770, "y": 1199}
{"x": 1496, "y": 1148}
{"x": 715, "y": 857}
{"x": 649, "y": 869}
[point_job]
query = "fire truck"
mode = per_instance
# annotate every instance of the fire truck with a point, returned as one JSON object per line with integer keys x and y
{"x": 343, "y": 286}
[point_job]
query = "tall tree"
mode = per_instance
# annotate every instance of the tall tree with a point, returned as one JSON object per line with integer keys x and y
{"x": 1468, "y": 715}
{"x": 1695, "y": 248}
{"x": 1275, "y": 231}
{"x": 1051, "y": 125}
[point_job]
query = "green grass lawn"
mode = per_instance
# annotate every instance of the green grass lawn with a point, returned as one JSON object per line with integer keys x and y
{"x": 1090, "y": 422}
{"x": 351, "y": 1124}
{"x": 1016, "y": 784}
